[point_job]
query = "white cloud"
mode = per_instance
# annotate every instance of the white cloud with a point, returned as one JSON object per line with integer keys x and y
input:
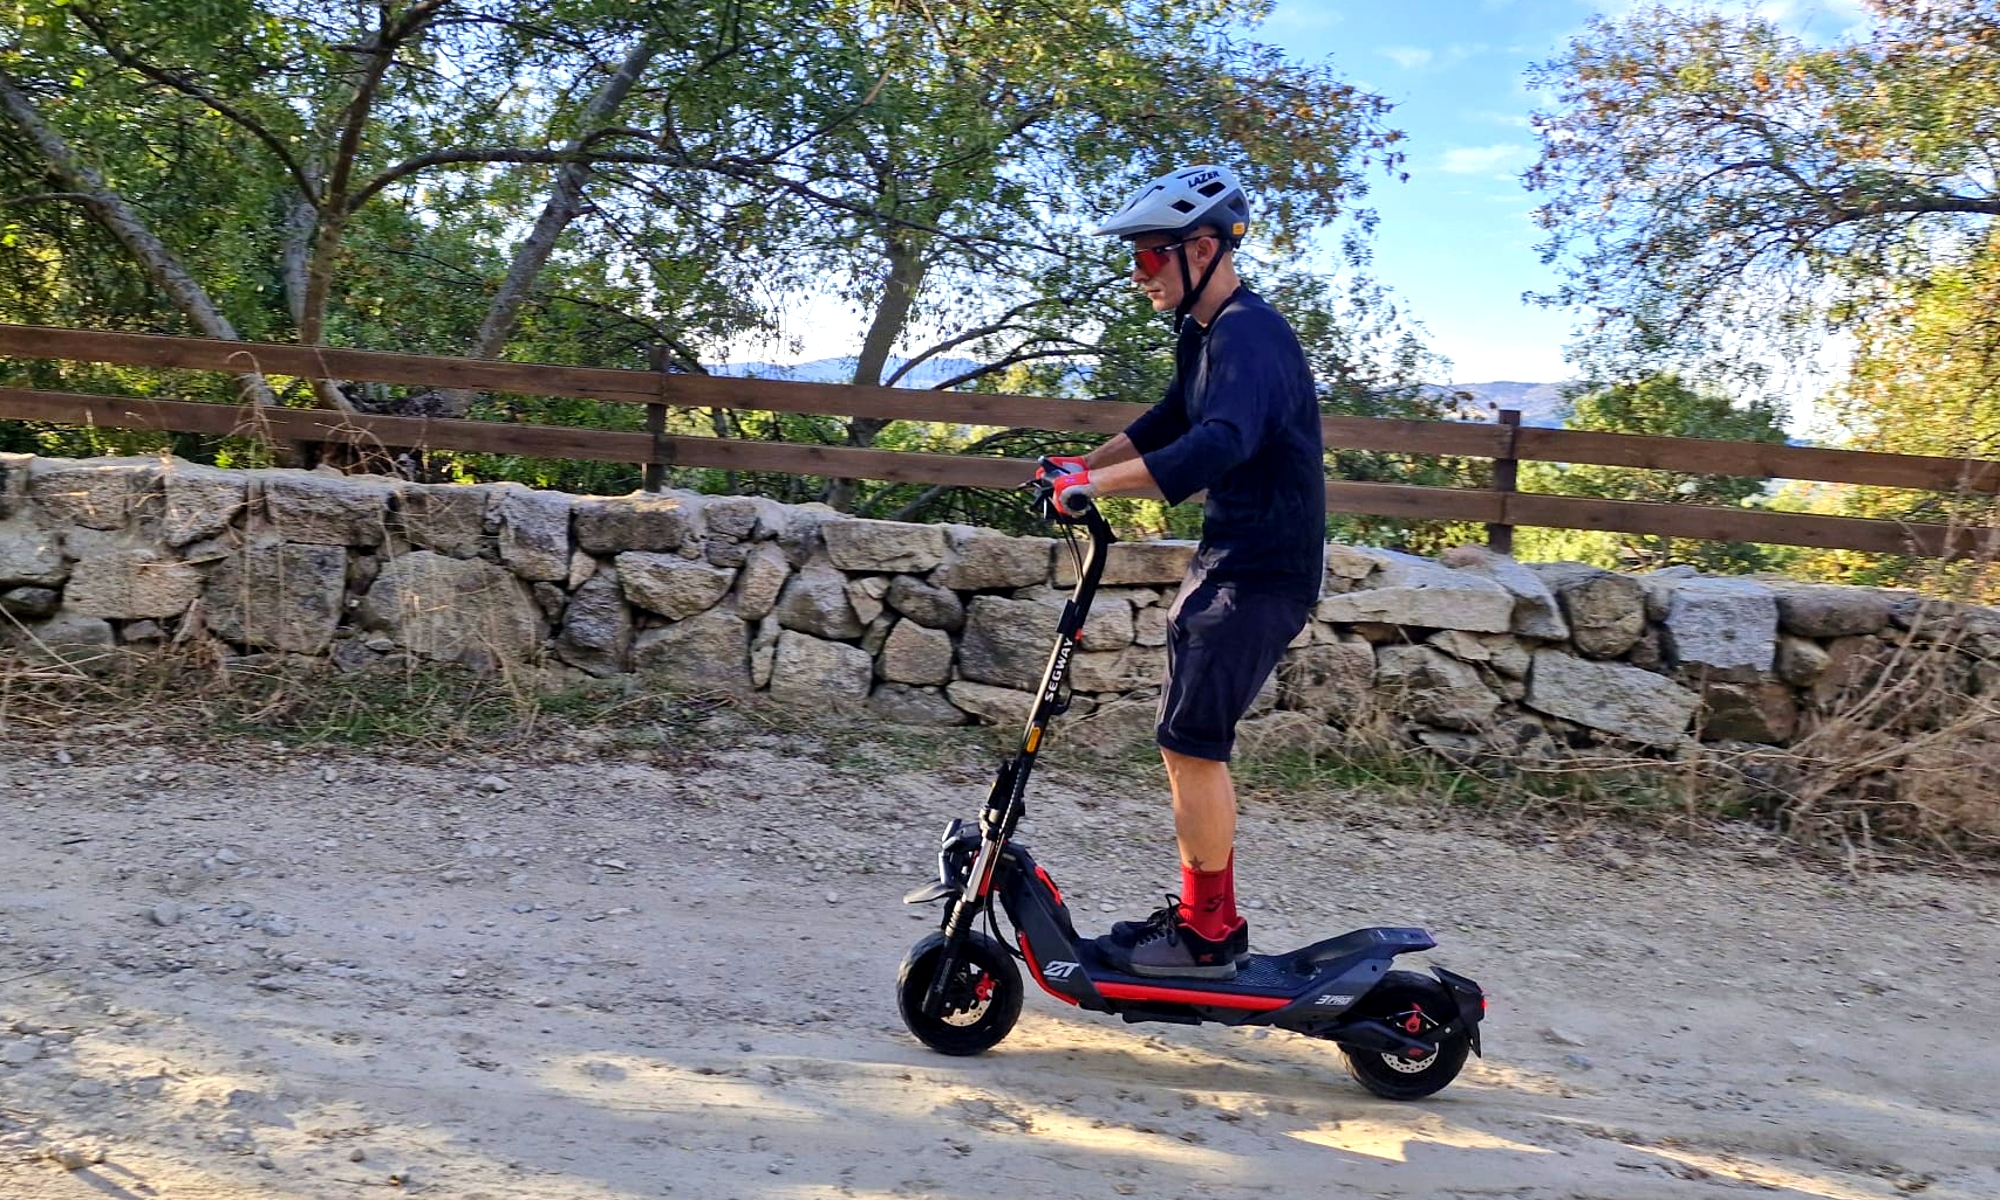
{"x": 1471, "y": 160}
{"x": 1407, "y": 57}
{"x": 1304, "y": 18}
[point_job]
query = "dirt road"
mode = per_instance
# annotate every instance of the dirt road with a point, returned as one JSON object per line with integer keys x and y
{"x": 234, "y": 972}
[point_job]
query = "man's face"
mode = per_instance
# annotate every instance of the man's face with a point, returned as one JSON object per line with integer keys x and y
{"x": 1163, "y": 285}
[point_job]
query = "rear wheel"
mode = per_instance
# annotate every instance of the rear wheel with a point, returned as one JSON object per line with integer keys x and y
{"x": 1418, "y": 1006}
{"x": 981, "y": 1002}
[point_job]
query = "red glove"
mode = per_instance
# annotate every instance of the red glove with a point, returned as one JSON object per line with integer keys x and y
{"x": 1072, "y": 492}
{"x": 1064, "y": 464}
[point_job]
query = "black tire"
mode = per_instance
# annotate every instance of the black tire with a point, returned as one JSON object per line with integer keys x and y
{"x": 969, "y": 1024}
{"x": 1400, "y": 996}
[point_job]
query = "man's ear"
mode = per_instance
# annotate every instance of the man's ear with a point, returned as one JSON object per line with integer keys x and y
{"x": 1200, "y": 250}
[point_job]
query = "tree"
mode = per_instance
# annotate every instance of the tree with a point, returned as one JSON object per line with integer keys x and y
{"x": 947, "y": 212}
{"x": 1925, "y": 379}
{"x": 1715, "y": 188}
{"x": 1659, "y": 406}
{"x": 39, "y": 148}
{"x": 583, "y": 180}
{"x": 365, "y": 130}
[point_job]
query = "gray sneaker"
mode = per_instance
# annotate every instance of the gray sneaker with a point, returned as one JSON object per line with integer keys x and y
{"x": 1165, "y": 947}
{"x": 1125, "y": 935}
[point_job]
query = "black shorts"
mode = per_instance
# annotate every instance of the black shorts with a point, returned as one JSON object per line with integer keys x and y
{"x": 1222, "y": 643}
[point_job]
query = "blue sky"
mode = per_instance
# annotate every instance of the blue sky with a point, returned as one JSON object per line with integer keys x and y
{"x": 1457, "y": 242}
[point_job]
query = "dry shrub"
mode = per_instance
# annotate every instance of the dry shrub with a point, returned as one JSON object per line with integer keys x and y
{"x": 192, "y": 691}
{"x": 1904, "y": 750}
{"x": 1897, "y": 758}
{"x": 1899, "y": 751}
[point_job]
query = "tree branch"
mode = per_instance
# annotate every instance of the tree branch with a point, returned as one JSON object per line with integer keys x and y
{"x": 39, "y": 197}
{"x": 1003, "y": 363}
{"x": 747, "y": 170}
{"x": 190, "y": 88}
{"x": 1923, "y": 206}
{"x": 539, "y": 33}
{"x": 564, "y": 202}
{"x": 1004, "y": 323}
{"x": 334, "y": 205}
{"x": 111, "y": 211}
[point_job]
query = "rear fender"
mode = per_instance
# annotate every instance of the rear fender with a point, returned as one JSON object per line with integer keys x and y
{"x": 1471, "y": 1002}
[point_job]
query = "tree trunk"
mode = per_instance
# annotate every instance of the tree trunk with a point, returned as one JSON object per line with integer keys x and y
{"x": 564, "y": 203}
{"x": 892, "y": 313}
{"x": 117, "y": 217}
{"x": 372, "y": 60}
{"x": 297, "y": 246}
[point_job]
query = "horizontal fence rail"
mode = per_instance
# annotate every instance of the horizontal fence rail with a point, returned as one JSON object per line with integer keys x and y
{"x": 1496, "y": 508}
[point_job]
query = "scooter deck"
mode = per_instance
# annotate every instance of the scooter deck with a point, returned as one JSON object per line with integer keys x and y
{"x": 1273, "y": 976}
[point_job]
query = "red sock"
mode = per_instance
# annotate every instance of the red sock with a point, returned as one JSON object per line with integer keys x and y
{"x": 1208, "y": 900}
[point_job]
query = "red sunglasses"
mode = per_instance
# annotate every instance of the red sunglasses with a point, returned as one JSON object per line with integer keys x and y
{"x": 1154, "y": 259}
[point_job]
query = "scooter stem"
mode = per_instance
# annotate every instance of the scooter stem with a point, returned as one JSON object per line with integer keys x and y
{"x": 1004, "y": 804}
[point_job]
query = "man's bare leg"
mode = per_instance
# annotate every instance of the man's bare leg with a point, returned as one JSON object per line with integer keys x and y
{"x": 1204, "y": 810}
{"x": 1205, "y": 826}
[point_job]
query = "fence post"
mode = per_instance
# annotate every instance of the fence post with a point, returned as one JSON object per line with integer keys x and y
{"x": 655, "y": 475}
{"x": 1506, "y": 470}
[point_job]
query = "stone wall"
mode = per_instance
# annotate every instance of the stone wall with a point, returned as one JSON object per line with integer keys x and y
{"x": 919, "y": 623}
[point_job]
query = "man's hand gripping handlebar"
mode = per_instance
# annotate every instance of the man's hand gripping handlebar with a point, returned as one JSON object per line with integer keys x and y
{"x": 1063, "y": 484}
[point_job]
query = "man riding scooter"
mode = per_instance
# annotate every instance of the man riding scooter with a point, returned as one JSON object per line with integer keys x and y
{"x": 1241, "y": 420}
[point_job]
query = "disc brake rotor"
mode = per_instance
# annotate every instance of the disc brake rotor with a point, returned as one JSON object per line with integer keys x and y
{"x": 968, "y": 998}
{"x": 1413, "y": 1022}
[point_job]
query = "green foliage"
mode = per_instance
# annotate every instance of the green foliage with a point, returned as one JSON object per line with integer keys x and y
{"x": 1658, "y": 406}
{"x": 1717, "y": 191}
{"x": 930, "y": 168}
{"x": 1925, "y": 380}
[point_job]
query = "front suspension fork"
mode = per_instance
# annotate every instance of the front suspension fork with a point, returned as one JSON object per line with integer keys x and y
{"x": 958, "y": 922}
{"x": 956, "y": 927}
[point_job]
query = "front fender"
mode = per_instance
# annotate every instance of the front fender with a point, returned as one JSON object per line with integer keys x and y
{"x": 937, "y": 889}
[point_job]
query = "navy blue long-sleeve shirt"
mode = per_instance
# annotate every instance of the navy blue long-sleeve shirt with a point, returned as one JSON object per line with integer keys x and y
{"x": 1241, "y": 419}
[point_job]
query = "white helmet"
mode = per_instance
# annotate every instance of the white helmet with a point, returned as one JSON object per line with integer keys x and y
{"x": 1182, "y": 202}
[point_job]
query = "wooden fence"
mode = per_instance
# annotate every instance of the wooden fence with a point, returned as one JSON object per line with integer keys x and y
{"x": 1501, "y": 508}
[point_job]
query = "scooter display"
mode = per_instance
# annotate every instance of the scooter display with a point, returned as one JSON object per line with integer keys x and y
{"x": 1404, "y": 1034}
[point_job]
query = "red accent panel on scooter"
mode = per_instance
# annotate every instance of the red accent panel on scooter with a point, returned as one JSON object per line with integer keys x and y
{"x": 1172, "y": 995}
{"x": 1042, "y": 874}
{"x": 1035, "y": 969}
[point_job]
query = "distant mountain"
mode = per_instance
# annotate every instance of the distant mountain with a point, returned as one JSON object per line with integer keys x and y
{"x": 1540, "y": 403}
{"x": 929, "y": 373}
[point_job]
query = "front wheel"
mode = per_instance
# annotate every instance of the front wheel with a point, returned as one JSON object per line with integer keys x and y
{"x": 981, "y": 1001}
{"x": 1418, "y": 1005}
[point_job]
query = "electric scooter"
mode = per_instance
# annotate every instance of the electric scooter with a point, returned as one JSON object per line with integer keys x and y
{"x": 1404, "y": 1034}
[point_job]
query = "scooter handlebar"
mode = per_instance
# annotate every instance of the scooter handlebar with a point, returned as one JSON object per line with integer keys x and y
{"x": 1047, "y": 471}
